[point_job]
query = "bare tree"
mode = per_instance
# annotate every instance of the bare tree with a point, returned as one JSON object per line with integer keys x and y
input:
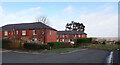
{"x": 42, "y": 19}
{"x": 41, "y": 34}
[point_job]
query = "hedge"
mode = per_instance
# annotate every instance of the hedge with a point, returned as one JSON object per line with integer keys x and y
{"x": 10, "y": 43}
{"x": 35, "y": 46}
{"x": 118, "y": 42}
{"x": 5, "y": 43}
{"x": 82, "y": 41}
{"x": 56, "y": 45}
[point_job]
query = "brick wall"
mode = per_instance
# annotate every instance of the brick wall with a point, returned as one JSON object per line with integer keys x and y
{"x": 52, "y": 37}
{"x": 29, "y": 35}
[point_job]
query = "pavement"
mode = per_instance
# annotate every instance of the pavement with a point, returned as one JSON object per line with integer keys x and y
{"x": 116, "y": 57}
{"x": 44, "y": 52}
{"x": 68, "y": 56}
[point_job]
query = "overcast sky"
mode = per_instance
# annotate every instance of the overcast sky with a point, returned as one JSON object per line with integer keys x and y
{"x": 100, "y": 18}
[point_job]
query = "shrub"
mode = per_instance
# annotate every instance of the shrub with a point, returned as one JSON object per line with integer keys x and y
{"x": 5, "y": 43}
{"x": 118, "y": 42}
{"x": 103, "y": 42}
{"x": 34, "y": 46}
{"x": 56, "y": 45}
{"x": 95, "y": 42}
{"x": 82, "y": 41}
{"x": 10, "y": 43}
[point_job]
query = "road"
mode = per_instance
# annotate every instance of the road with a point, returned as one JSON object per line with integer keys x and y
{"x": 83, "y": 56}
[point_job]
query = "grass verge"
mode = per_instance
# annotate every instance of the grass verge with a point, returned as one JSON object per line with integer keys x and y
{"x": 60, "y": 49}
{"x": 105, "y": 47}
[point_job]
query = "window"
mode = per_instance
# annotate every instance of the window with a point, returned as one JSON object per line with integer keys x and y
{"x": 23, "y": 32}
{"x": 83, "y": 35}
{"x": 60, "y": 35}
{"x": 69, "y": 40}
{"x": 57, "y": 40}
{"x": 11, "y": 33}
{"x": 34, "y": 32}
{"x": 57, "y": 35}
{"x": 74, "y": 35}
{"x": 6, "y": 33}
{"x": 50, "y": 32}
{"x": 17, "y": 32}
{"x": 63, "y": 40}
{"x": 79, "y": 35}
{"x": 66, "y": 35}
{"x": 63, "y": 35}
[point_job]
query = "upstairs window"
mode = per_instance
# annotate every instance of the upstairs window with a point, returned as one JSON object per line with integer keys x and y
{"x": 17, "y": 32}
{"x": 6, "y": 33}
{"x": 60, "y": 35}
{"x": 34, "y": 32}
{"x": 11, "y": 32}
{"x": 63, "y": 35}
{"x": 83, "y": 35}
{"x": 66, "y": 35}
{"x": 23, "y": 32}
{"x": 74, "y": 35}
{"x": 79, "y": 35}
{"x": 50, "y": 33}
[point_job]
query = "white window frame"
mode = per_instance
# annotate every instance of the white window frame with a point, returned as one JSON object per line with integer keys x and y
{"x": 50, "y": 32}
{"x": 83, "y": 35}
{"x": 66, "y": 35}
{"x": 11, "y": 32}
{"x": 34, "y": 32}
{"x": 57, "y": 40}
{"x": 74, "y": 35}
{"x": 63, "y": 40}
{"x": 6, "y": 33}
{"x": 60, "y": 35}
{"x": 69, "y": 40}
{"x": 63, "y": 35}
{"x": 23, "y": 32}
{"x": 17, "y": 32}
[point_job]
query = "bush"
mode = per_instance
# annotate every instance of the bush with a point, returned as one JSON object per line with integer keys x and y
{"x": 56, "y": 45}
{"x": 34, "y": 46}
{"x": 10, "y": 43}
{"x": 95, "y": 42}
{"x": 118, "y": 42}
{"x": 103, "y": 42}
{"x": 5, "y": 43}
{"x": 82, "y": 41}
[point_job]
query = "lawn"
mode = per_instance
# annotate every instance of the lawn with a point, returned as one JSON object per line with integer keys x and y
{"x": 105, "y": 47}
{"x": 61, "y": 49}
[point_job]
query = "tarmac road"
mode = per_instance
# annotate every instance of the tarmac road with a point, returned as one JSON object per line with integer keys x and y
{"x": 83, "y": 56}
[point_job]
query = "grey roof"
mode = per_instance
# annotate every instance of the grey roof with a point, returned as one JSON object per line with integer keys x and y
{"x": 27, "y": 26}
{"x": 69, "y": 32}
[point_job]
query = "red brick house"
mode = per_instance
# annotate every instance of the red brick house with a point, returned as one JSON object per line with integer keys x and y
{"x": 30, "y": 31}
{"x": 67, "y": 36}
